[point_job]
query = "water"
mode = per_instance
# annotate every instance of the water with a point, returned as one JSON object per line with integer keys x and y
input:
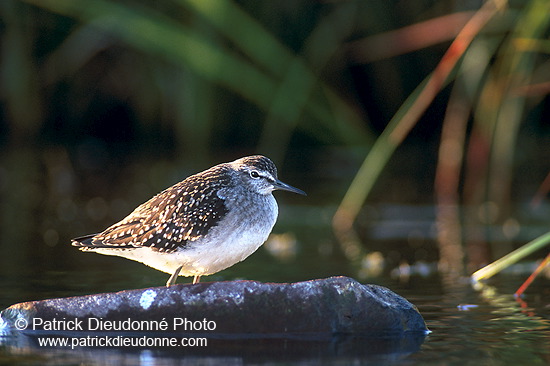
{"x": 469, "y": 327}
{"x": 486, "y": 327}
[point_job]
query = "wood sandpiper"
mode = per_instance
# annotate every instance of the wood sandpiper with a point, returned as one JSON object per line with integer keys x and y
{"x": 201, "y": 225}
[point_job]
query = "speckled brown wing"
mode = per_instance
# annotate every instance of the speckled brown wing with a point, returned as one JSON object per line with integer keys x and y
{"x": 172, "y": 219}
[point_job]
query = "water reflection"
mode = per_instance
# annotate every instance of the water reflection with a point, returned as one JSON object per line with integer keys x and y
{"x": 339, "y": 349}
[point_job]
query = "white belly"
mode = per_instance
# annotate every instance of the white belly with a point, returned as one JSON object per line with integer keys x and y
{"x": 219, "y": 250}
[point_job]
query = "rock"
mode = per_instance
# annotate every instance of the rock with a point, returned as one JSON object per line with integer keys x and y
{"x": 317, "y": 309}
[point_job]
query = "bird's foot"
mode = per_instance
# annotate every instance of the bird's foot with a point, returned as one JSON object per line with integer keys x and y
{"x": 173, "y": 277}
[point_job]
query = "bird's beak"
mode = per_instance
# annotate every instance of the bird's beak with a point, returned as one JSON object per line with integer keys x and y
{"x": 285, "y": 187}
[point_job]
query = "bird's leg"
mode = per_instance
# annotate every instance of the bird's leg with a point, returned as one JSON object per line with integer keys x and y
{"x": 196, "y": 279}
{"x": 173, "y": 277}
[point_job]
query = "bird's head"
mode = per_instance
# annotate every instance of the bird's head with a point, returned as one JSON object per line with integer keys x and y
{"x": 259, "y": 174}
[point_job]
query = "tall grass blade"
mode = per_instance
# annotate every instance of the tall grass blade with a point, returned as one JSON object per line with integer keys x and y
{"x": 296, "y": 82}
{"x": 492, "y": 269}
{"x": 403, "y": 121}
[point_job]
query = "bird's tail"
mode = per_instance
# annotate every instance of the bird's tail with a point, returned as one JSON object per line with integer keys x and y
{"x": 83, "y": 241}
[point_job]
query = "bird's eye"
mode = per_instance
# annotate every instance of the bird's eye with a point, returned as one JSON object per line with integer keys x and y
{"x": 254, "y": 174}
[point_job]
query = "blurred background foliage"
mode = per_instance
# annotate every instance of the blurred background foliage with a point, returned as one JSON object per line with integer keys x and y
{"x": 445, "y": 103}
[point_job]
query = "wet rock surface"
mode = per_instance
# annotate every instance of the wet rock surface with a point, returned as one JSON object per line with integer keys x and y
{"x": 316, "y": 309}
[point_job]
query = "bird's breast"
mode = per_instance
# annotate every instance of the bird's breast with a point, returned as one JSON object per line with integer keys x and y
{"x": 249, "y": 220}
{"x": 240, "y": 233}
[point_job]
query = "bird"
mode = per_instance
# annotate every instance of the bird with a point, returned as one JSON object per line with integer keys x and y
{"x": 201, "y": 225}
